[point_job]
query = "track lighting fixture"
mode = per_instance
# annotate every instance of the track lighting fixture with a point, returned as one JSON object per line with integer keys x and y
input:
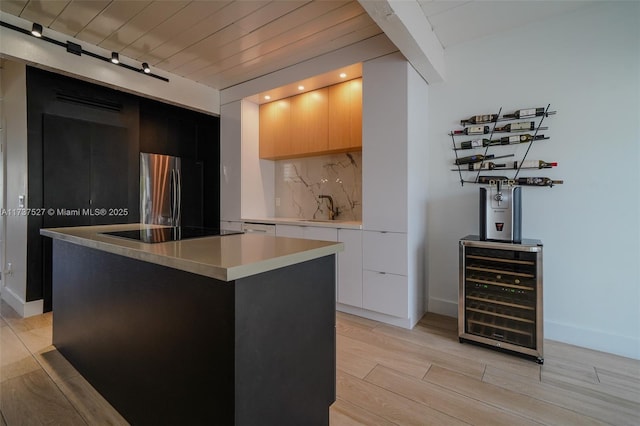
{"x": 36, "y": 30}
{"x": 76, "y": 49}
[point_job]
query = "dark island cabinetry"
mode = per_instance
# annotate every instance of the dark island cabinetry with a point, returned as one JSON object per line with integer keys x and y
{"x": 170, "y": 347}
{"x": 501, "y": 295}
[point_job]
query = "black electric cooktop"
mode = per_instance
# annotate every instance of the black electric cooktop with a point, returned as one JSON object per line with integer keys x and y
{"x": 162, "y": 235}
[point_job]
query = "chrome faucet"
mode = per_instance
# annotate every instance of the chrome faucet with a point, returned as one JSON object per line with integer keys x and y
{"x": 332, "y": 212}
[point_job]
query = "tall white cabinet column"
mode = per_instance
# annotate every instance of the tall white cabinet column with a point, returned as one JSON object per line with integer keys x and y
{"x": 394, "y": 192}
{"x": 247, "y": 183}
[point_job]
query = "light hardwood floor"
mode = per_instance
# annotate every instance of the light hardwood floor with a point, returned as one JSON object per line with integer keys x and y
{"x": 386, "y": 375}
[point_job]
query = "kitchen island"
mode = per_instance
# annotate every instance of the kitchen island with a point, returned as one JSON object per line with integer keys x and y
{"x": 235, "y": 329}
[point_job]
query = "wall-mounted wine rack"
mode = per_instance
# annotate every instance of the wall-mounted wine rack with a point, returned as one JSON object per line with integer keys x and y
{"x": 519, "y": 127}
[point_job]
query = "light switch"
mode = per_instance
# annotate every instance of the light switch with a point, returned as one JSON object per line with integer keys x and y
{"x": 21, "y": 201}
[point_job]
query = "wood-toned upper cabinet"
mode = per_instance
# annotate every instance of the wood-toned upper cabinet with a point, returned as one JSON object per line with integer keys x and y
{"x": 275, "y": 129}
{"x": 313, "y": 123}
{"x": 345, "y": 116}
{"x": 310, "y": 122}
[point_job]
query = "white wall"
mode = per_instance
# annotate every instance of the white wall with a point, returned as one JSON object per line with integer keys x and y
{"x": 14, "y": 99}
{"x": 586, "y": 64}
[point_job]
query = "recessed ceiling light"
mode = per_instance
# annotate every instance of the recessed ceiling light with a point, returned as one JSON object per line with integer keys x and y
{"x": 343, "y": 75}
{"x": 267, "y": 97}
{"x": 300, "y": 87}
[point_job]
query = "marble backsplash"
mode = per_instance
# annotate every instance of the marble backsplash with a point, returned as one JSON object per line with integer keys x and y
{"x": 300, "y": 181}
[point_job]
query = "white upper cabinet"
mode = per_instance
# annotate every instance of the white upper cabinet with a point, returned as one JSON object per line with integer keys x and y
{"x": 384, "y": 145}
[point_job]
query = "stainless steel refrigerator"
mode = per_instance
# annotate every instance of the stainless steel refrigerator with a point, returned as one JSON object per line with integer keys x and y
{"x": 170, "y": 190}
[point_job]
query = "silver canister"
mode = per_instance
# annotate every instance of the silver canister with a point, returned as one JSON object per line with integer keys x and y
{"x": 501, "y": 212}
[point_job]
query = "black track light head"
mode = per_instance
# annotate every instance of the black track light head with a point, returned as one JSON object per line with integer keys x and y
{"x": 115, "y": 57}
{"x": 145, "y": 68}
{"x": 36, "y": 30}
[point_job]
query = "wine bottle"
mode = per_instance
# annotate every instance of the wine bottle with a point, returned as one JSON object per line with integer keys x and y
{"x": 479, "y": 119}
{"x": 473, "y": 159}
{"x": 514, "y": 127}
{"x": 528, "y": 112}
{"x": 534, "y": 164}
{"x": 537, "y": 181}
{"x": 524, "y": 181}
{"x": 475, "y": 143}
{"x": 515, "y": 139}
{"x": 489, "y": 165}
{"x": 505, "y": 140}
{"x": 473, "y": 130}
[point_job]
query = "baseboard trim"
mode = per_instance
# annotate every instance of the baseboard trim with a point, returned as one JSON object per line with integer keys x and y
{"x": 593, "y": 339}
{"x": 443, "y": 307}
{"x": 376, "y": 316}
{"x": 566, "y": 333}
{"x": 24, "y": 309}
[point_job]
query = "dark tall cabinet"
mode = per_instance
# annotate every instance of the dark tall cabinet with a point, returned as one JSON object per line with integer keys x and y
{"x": 500, "y": 298}
{"x": 194, "y": 137}
{"x": 85, "y": 167}
{"x": 84, "y": 144}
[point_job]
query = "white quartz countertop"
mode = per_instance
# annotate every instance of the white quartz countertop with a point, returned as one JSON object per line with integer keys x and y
{"x": 342, "y": 224}
{"x": 226, "y": 258}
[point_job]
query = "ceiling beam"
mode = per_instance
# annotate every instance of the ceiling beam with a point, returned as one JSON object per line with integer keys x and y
{"x": 406, "y": 25}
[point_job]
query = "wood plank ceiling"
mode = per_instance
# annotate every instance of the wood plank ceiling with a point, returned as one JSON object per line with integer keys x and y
{"x": 217, "y": 43}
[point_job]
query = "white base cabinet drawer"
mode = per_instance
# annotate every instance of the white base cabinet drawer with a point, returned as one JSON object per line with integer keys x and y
{"x": 385, "y": 293}
{"x": 384, "y": 252}
{"x": 290, "y": 231}
{"x": 320, "y": 233}
{"x": 350, "y": 268}
{"x": 308, "y": 232}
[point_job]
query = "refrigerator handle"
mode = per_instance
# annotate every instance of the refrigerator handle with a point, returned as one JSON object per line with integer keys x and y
{"x": 172, "y": 211}
{"x": 178, "y": 186}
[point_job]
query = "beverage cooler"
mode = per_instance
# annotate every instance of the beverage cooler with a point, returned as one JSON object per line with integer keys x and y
{"x": 500, "y": 298}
